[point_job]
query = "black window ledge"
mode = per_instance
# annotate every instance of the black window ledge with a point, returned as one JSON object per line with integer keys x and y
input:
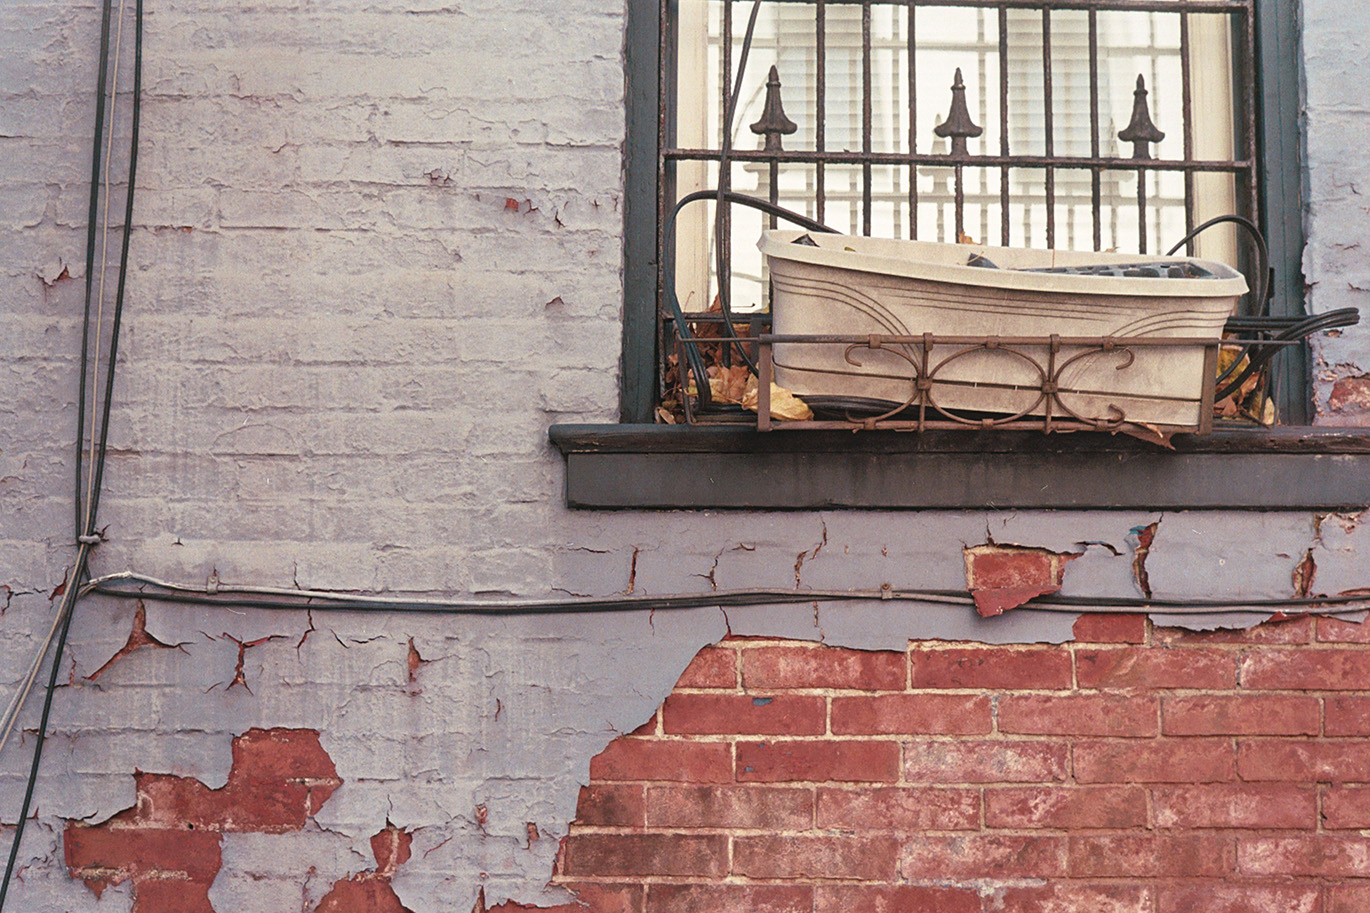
{"x": 677, "y": 467}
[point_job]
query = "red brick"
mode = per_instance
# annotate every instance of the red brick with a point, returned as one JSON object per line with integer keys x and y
{"x": 1348, "y": 715}
{"x": 711, "y": 898}
{"x": 999, "y": 668}
{"x": 1348, "y": 898}
{"x": 1069, "y": 897}
{"x": 1307, "y": 670}
{"x": 275, "y": 755}
{"x": 661, "y": 759}
{"x": 1156, "y": 667}
{"x": 1317, "y": 856}
{"x": 848, "y": 761}
{"x": 192, "y": 855}
{"x": 772, "y": 808}
{"x": 645, "y": 854}
{"x": 1220, "y": 897}
{"x": 1337, "y": 630}
{"x": 1298, "y": 630}
{"x": 768, "y": 668}
{"x": 992, "y": 567}
{"x": 1346, "y": 807}
{"x": 1244, "y": 714}
{"x": 1299, "y": 761}
{"x": 368, "y": 894}
{"x": 842, "y": 856}
{"x": 1156, "y": 761}
{"x": 1065, "y": 807}
{"x": 1350, "y": 395}
{"x": 912, "y": 714}
{"x": 899, "y": 808}
{"x": 998, "y": 856}
{"x": 988, "y": 761}
{"x": 712, "y": 667}
{"x": 1132, "y": 715}
{"x": 649, "y": 727}
{"x": 171, "y": 896}
{"x": 1110, "y": 628}
{"x": 172, "y": 801}
{"x": 784, "y": 714}
{"x": 1151, "y": 856}
{"x": 903, "y": 898}
{"x": 392, "y": 847}
{"x": 611, "y": 805}
{"x": 606, "y": 897}
{"x": 1235, "y": 805}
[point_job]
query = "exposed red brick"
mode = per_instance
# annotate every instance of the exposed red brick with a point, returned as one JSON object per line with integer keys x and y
{"x": 1000, "y": 668}
{"x": 1294, "y": 630}
{"x": 713, "y": 898}
{"x": 1132, "y": 715}
{"x": 1003, "y": 577}
{"x": 1157, "y": 761}
{"x": 645, "y": 854}
{"x": 1297, "y": 761}
{"x": 650, "y": 727}
{"x": 611, "y": 805}
{"x": 841, "y": 856}
{"x": 1315, "y": 855}
{"x": 136, "y": 852}
{"x": 164, "y": 895}
{"x": 1246, "y": 714}
{"x": 1058, "y": 807}
{"x": 712, "y": 667}
{"x": 1346, "y": 807}
{"x": 361, "y": 894}
{"x": 846, "y": 761}
{"x": 899, "y": 808}
{"x": 1224, "y": 805}
{"x": 657, "y": 759}
{"x": 1073, "y": 897}
{"x": 773, "y": 808}
{"x": 1351, "y": 395}
{"x": 1348, "y": 715}
{"x": 1222, "y": 897}
{"x": 1151, "y": 856}
{"x": 1348, "y": 898}
{"x": 391, "y": 848}
{"x": 901, "y": 898}
{"x": 1307, "y": 670}
{"x": 1337, "y": 630}
{"x": 138, "y": 637}
{"x": 912, "y": 714}
{"x": 989, "y": 761}
{"x": 940, "y": 857}
{"x": 783, "y": 714}
{"x": 1110, "y": 628}
{"x": 770, "y": 668}
{"x": 1156, "y": 667}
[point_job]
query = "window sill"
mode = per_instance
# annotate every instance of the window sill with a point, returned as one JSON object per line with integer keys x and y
{"x": 673, "y": 467}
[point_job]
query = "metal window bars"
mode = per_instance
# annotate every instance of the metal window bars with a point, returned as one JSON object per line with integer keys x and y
{"x": 948, "y": 159}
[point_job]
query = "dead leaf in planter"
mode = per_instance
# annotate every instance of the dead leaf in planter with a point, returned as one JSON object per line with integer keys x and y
{"x": 785, "y": 406}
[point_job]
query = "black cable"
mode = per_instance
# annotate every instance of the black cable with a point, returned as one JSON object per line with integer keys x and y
{"x": 724, "y": 180}
{"x": 724, "y": 598}
{"x": 86, "y": 523}
{"x": 93, "y": 212}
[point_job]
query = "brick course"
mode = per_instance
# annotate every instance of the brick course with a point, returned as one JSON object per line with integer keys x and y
{"x": 1132, "y": 771}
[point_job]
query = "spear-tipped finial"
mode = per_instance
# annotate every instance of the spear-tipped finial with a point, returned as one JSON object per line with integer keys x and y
{"x": 958, "y": 124}
{"x": 1140, "y": 132}
{"x": 773, "y": 123}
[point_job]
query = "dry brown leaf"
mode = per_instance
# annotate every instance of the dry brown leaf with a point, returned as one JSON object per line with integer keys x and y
{"x": 785, "y": 406}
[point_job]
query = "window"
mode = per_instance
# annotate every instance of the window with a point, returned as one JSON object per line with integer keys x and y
{"x": 636, "y": 464}
{"x": 1050, "y": 85}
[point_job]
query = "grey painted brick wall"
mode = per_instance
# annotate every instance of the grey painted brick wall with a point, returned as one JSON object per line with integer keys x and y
{"x": 342, "y": 351}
